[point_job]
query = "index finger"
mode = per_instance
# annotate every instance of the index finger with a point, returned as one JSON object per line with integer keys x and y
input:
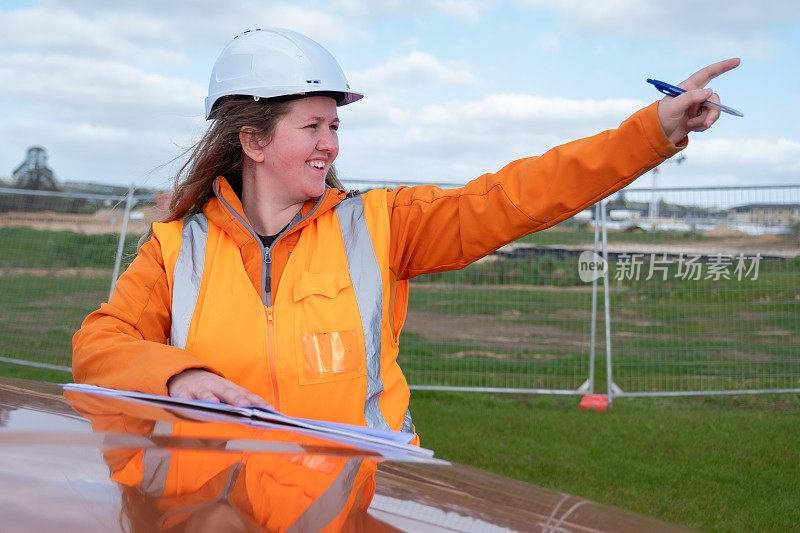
{"x": 249, "y": 399}
{"x": 235, "y": 395}
{"x": 699, "y": 79}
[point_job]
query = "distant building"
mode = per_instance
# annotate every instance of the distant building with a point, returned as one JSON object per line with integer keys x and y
{"x": 624, "y": 214}
{"x": 620, "y": 208}
{"x": 766, "y": 214}
{"x": 34, "y": 173}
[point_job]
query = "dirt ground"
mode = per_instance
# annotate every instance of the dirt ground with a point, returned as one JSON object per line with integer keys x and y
{"x": 490, "y": 332}
{"x": 720, "y": 240}
{"x": 103, "y": 221}
{"x": 83, "y": 272}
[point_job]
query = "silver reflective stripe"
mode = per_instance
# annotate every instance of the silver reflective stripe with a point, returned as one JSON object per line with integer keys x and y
{"x": 187, "y": 276}
{"x": 366, "y": 277}
{"x": 408, "y": 425}
{"x": 155, "y": 464}
{"x": 331, "y": 503}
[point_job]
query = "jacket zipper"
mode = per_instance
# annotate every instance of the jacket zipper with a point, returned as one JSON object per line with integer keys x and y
{"x": 267, "y": 281}
{"x": 273, "y": 370}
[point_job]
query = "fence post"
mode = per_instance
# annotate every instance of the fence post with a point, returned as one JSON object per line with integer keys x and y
{"x": 607, "y": 307}
{"x": 593, "y": 333}
{"x": 129, "y": 203}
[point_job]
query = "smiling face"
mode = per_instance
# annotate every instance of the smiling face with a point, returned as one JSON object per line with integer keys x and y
{"x": 301, "y": 150}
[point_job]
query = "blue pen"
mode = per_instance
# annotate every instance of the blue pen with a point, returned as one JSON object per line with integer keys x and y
{"x": 671, "y": 90}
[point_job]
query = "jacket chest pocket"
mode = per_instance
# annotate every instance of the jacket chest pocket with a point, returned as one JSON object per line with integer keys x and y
{"x": 330, "y": 343}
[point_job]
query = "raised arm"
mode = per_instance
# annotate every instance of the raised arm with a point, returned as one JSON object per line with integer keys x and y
{"x": 435, "y": 230}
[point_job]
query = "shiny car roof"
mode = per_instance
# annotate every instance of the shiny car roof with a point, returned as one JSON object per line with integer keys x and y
{"x": 67, "y": 461}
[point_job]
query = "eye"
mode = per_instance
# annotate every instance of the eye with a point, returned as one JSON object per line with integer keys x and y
{"x": 335, "y": 127}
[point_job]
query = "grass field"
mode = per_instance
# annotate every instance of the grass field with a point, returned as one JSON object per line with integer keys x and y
{"x": 31, "y": 248}
{"x": 719, "y": 463}
{"x": 513, "y": 323}
{"x": 41, "y": 313}
{"x": 705, "y": 334}
{"x": 716, "y": 464}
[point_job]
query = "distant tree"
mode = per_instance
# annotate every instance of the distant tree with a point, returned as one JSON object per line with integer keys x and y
{"x": 34, "y": 173}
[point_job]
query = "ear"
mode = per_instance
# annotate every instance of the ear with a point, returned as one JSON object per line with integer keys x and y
{"x": 249, "y": 138}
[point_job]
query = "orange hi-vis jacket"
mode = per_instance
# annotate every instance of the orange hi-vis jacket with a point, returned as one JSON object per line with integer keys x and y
{"x": 322, "y": 335}
{"x": 312, "y": 323}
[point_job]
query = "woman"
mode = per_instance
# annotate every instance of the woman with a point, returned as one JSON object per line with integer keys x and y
{"x": 268, "y": 283}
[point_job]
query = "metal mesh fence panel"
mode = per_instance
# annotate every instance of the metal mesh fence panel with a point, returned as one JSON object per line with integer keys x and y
{"x": 516, "y": 320}
{"x": 57, "y": 254}
{"x": 705, "y": 290}
{"x": 704, "y": 294}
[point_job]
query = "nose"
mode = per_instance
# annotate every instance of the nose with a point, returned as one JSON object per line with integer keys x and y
{"x": 328, "y": 141}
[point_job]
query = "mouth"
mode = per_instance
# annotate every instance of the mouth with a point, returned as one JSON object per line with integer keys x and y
{"x": 316, "y": 164}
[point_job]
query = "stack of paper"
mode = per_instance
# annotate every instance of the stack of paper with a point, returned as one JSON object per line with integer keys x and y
{"x": 390, "y": 444}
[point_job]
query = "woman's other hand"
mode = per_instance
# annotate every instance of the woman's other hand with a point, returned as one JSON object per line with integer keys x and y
{"x": 681, "y": 114}
{"x": 199, "y": 384}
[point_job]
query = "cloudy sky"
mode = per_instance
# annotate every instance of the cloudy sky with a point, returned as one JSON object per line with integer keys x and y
{"x": 454, "y": 88}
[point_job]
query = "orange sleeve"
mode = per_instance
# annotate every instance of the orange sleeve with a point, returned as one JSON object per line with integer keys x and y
{"x": 125, "y": 343}
{"x": 433, "y": 230}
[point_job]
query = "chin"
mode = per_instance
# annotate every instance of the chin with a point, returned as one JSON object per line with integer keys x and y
{"x": 314, "y": 190}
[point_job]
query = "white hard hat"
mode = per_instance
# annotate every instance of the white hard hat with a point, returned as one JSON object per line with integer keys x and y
{"x": 270, "y": 62}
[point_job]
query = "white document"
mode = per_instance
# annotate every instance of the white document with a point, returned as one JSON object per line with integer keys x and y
{"x": 382, "y": 441}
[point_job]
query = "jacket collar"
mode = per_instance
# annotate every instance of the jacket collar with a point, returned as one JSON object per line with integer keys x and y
{"x": 226, "y": 210}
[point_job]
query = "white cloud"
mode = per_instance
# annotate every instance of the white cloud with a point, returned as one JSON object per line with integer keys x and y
{"x": 97, "y": 83}
{"x": 107, "y": 154}
{"x": 501, "y": 112}
{"x": 457, "y": 141}
{"x": 319, "y": 24}
{"x": 416, "y": 68}
{"x": 548, "y": 42}
{"x": 97, "y": 91}
{"x": 469, "y": 10}
{"x": 128, "y": 36}
{"x": 718, "y": 26}
{"x": 156, "y": 30}
{"x": 106, "y": 86}
{"x": 756, "y": 157}
{"x": 377, "y": 111}
{"x": 462, "y": 139}
{"x": 641, "y": 16}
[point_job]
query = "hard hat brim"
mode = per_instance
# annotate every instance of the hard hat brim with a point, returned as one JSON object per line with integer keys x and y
{"x": 212, "y": 103}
